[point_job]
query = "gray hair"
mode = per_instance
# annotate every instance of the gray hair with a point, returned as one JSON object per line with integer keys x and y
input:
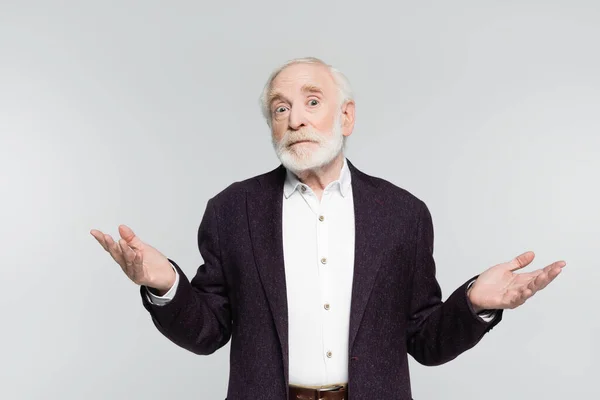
{"x": 343, "y": 84}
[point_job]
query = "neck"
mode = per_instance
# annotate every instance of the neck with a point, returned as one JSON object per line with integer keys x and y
{"x": 319, "y": 178}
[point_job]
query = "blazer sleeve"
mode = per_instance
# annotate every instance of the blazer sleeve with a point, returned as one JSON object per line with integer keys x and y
{"x": 439, "y": 331}
{"x": 198, "y": 318}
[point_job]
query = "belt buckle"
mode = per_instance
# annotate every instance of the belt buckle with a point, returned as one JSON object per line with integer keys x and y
{"x": 331, "y": 389}
{"x": 324, "y": 391}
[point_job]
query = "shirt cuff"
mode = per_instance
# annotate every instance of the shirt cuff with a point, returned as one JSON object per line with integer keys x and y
{"x": 167, "y": 297}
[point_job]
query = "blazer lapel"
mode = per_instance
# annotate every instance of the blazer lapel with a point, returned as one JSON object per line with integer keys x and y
{"x": 368, "y": 215}
{"x": 264, "y": 206}
{"x": 265, "y": 219}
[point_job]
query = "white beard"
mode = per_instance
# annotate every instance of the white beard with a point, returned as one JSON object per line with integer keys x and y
{"x": 309, "y": 156}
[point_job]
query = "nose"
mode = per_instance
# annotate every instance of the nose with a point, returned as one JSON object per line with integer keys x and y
{"x": 297, "y": 118}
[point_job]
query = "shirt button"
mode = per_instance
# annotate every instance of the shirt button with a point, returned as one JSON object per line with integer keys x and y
{"x": 326, "y": 306}
{"x": 303, "y": 188}
{"x": 321, "y": 218}
{"x": 323, "y": 260}
{"x": 329, "y": 354}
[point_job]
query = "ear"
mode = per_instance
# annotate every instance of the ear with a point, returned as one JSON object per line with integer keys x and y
{"x": 348, "y": 115}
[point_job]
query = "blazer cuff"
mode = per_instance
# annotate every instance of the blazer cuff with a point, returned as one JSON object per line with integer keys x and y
{"x": 487, "y": 315}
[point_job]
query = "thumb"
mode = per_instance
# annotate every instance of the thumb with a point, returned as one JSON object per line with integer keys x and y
{"x": 132, "y": 240}
{"x": 521, "y": 261}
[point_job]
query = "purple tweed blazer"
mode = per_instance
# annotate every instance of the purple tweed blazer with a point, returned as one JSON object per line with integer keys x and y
{"x": 239, "y": 292}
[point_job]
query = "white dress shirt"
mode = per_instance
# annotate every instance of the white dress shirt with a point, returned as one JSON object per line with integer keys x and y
{"x": 318, "y": 247}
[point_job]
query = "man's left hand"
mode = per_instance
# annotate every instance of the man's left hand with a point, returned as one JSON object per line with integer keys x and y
{"x": 500, "y": 288}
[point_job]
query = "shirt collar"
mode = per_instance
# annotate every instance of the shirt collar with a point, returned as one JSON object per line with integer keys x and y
{"x": 343, "y": 183}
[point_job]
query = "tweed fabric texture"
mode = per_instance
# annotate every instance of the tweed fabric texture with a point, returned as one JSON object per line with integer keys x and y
{"x": 239, "y": 292}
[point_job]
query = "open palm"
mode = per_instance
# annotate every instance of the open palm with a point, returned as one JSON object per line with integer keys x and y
{"x": 142, "y": 263}
{"x": 499, "y": 287}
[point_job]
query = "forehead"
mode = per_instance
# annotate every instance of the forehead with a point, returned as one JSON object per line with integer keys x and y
{"x": 294, "y": 77}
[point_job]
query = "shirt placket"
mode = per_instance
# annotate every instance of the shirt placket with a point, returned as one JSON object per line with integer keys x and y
{"x": 324, "y": 264}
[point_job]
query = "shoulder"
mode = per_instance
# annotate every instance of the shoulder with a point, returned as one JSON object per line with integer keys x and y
{"x": 399, "y": 212}
{"x": 238, "y": 190}
{"x": 391, "y": 194}
{"x": 404, "y": 205}
{"x": 398, "y": 193}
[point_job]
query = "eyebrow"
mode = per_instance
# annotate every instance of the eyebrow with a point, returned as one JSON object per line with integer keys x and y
{"x": 311, "y": 89}
{"x": 307, "y": 88}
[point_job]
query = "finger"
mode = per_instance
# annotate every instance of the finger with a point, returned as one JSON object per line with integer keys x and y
{"x": 524, "y": 295}
{"x": 556, "y": 264}
{"x": 542, "y": 280}
{"x": 138, "y": 262}
{"x": 531, "y": 288}
{"x": 114, "y": 249}
{"x": 132, "y": 240}
{"x": 529, "y": 276}
{"x": 515, "y": 298}
{"x": 132, "y": 261}
{"x": 521, "y": 261}
{"x": 99, "y": 236}
{"x": 128, "y": 255}
{"x": 533, "y": 274}
{"x": 521, "y": 295}
{"x": 527, "y": 290}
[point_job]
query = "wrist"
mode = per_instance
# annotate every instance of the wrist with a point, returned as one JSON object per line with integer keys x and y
{"x": 165, "y": 284}
{"x": 475, "y": 307}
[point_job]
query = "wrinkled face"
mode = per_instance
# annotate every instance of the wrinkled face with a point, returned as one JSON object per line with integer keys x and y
{"x": 308, "y": 124}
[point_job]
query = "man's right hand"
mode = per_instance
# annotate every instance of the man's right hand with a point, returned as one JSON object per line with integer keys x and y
{"x": 142, "y": 263}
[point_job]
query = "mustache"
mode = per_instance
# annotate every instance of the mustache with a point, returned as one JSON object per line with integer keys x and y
{"x": 292, "y": 137}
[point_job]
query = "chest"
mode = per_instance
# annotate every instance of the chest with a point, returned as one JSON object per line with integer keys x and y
{"x": 318, "y": 248}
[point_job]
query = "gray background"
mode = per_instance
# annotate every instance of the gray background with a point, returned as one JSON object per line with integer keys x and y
{"x": 139, "y": 112}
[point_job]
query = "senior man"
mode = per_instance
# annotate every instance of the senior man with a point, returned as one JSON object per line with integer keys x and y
{"x": 322, "y": 276}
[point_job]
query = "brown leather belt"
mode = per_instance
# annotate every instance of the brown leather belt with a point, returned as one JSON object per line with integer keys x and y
{"x": 304, "y": 393}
